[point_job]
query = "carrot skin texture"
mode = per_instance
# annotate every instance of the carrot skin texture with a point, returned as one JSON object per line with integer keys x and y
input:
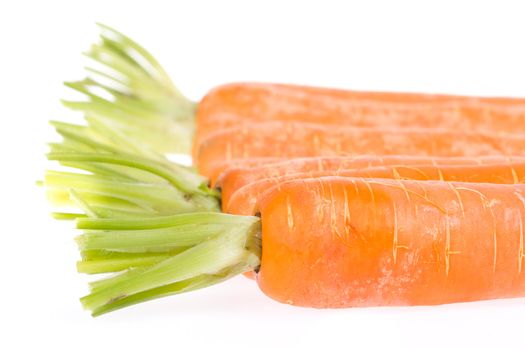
{"x": 345, "y": 242}
{"x": 242, "y": 163}
{"x": 288, "y": 140}
{"x": 244, "y": 200}
{"x": 237, "y": 177}
{"x": 235, "y": 104}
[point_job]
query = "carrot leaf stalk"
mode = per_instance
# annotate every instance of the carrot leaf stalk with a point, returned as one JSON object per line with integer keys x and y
{"x": 154, "y": 223}
{"x": 105, "y": 261}
{"x": 167, "y": 255}
{"x": 125, "y": 186}
{"x": 120, "y": 177}
{"x": 129, "y": 90}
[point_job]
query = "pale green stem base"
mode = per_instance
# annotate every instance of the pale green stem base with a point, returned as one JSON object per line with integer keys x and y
{"x": 224, "y": 246}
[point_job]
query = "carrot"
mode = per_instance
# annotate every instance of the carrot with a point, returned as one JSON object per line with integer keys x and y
{"x": 287, "y": 140}
{"x": 134, "y": 96}
{"x": 244, "y": 200}
{"x": 232, "y": 104}
{"x": 241, "y": 163}
{"x": 326, "y": 242}
{"x": 236, "y": 175}
{"x": 347, "y": 241}
{"x": 340, "y": 242}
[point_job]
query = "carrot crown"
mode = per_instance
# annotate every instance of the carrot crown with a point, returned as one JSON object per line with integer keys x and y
{"x": 128, "y": 89}
{"x": 120, "y": 178}
{"x": 154, "y": 223}
{"x": 163, "y": 256}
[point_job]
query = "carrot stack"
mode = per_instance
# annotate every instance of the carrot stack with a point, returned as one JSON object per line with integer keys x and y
{"x": 329, "y": 198}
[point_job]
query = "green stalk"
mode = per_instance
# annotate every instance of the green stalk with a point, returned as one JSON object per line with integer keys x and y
{"x": 113, "y": 193}
{"x": 181, "y": 179}
{"x": 153, "y": 223}
{"x": 128, "y": 89}
{"x": 188, "y": 285}
{"x": 212, "y": 257}
{"x": 103, "y": 261}
{"x": 149, "y": 240}
{"x": 66, "y": 216}
{"x": 160, "y": 222}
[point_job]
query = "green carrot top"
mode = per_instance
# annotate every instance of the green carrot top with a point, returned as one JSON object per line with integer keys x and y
{"x": 127, "y": 88}
{"x": 153, "y": 223}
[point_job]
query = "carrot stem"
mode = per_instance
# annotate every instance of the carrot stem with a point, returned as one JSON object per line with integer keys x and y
{"x": 149, "y": 240}
{"x": 154, "y": 222}
{"x": 128, "y": 199}
{"x": 128, "y": 89}
{"x": 102, "y": 261}
{"x": 188, "y": 285}
{"x": 105, "y": 193}
{"x": 230, "y": 247}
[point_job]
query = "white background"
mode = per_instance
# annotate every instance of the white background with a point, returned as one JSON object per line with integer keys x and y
{"x": 442, "y": 46}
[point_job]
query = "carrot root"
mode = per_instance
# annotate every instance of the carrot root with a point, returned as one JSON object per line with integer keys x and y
{"x": 372, "y": 242}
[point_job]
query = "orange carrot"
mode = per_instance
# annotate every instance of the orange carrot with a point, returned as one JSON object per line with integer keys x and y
{"x": 234, "y": 104}
{"x": 165, "y": 120}
{"x": 320, "y": 242}
{"x": 342, "y": 242}
{"x": 244, "y": 200}
{"x": 287, "y": 140}
{"x": 241, "y": 163}
{"x": 236, "y": 174}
